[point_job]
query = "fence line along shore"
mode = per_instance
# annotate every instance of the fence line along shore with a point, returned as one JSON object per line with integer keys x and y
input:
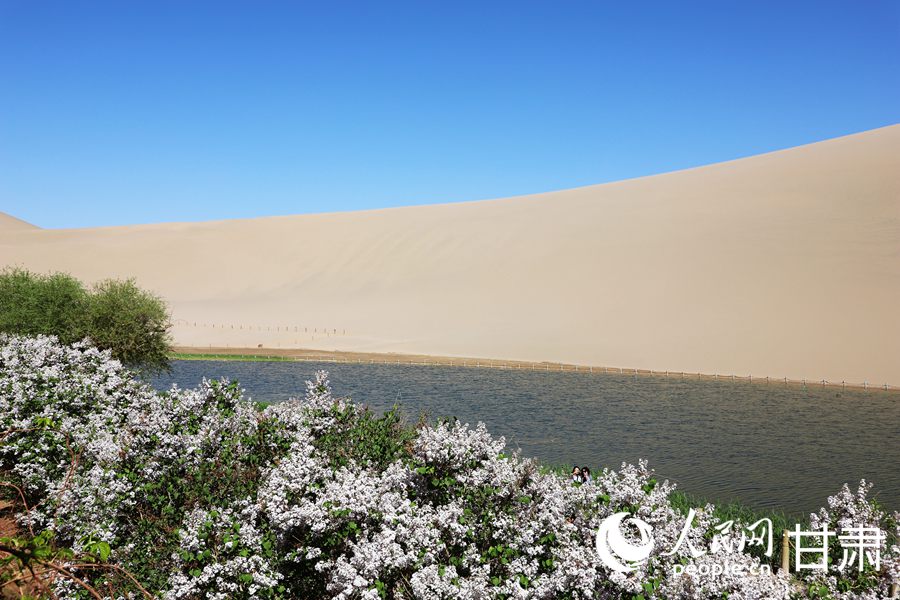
{"x": 345, "y": 357}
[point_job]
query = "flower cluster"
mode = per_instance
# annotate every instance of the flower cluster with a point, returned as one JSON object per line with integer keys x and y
{"x": 201, "y": 495}
{"x": 852, "y": 517}
{"x": 224, "y": 553}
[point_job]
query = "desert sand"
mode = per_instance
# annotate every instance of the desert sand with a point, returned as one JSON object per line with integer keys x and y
{"x": 10, "y": 223}
{"x": 785, "y": 264}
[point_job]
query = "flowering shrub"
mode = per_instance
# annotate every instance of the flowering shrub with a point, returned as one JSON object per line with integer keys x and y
{"x": 225, "y": 553}
{"x": 197, "y": 494}
{"x": 847, "y": 510}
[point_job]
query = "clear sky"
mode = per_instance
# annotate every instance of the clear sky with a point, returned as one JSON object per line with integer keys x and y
{"x": 133, "y": 112}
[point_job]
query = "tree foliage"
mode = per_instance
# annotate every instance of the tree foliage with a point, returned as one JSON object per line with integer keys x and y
{"x": 131, "y": 322}
{"x": 114, "y": 314}
{"x": 32, "y": 304}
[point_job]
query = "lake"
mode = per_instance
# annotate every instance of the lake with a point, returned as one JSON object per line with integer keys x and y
{"x": 766, "y": 445}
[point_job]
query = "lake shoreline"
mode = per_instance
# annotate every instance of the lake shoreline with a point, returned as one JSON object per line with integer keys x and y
{"x": 391, "y": 358}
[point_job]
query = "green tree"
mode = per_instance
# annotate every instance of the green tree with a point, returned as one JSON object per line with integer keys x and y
{"x": 132, "y": 322}
{"x": 32, "y": 304}
{"x": 116, "y": 315}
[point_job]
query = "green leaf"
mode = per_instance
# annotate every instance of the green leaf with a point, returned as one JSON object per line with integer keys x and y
{"x": 103, "y": 550}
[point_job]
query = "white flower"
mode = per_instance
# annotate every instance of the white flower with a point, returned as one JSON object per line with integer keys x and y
{"x": 95, "y": 450}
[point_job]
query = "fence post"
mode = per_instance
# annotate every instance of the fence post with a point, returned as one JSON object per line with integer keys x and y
{"x": 785, "y": 552}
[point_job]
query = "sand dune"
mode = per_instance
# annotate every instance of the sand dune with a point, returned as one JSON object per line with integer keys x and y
{"x": 10, "y": 223}
{"x": 783, "y": 264}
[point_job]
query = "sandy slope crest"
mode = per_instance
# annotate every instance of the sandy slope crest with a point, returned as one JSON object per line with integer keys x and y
{"x": 783, "y": 264}
{"x": 10, "y": 223}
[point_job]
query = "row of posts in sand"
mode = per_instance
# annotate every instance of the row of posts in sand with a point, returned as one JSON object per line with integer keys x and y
{"x": 496, "y": 364}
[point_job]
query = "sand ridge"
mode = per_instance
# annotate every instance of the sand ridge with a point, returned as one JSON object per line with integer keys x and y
{"x": 11, "y": 223}
{"x": 784, "y": 265}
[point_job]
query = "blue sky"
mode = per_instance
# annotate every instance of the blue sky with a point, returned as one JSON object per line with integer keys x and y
{"x": 134, "y": 112}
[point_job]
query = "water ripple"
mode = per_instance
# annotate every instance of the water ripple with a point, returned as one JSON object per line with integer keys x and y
{"x": 772, "y": 445}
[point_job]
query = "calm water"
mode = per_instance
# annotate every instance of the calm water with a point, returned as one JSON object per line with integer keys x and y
{"x": 768, "y": 446}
